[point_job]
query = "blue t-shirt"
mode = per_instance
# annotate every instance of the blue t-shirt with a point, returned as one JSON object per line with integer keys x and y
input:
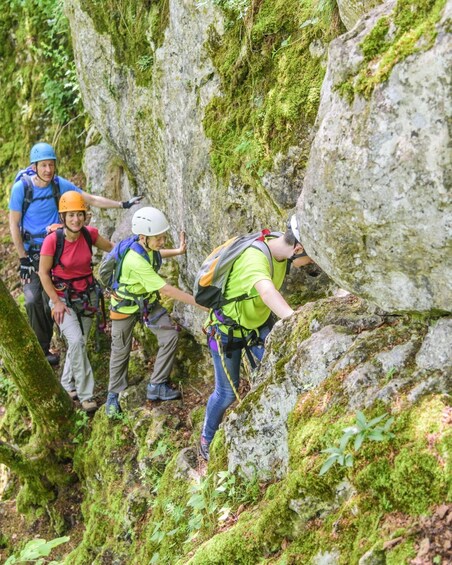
{"x": 42, "y": 211}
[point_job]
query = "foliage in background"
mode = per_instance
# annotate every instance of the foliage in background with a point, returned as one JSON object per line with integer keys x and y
{"x": 39, "y": 95}
{"x": 270, "y": 62}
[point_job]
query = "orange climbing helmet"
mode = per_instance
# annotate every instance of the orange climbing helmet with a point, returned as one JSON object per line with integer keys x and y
{"x": 72, "y": 201}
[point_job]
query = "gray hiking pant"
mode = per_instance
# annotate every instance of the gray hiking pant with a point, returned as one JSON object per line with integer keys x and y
{"x": 38, "y": 311}
{"x": 77, "y": 372}
{"x": 121, "y": 342}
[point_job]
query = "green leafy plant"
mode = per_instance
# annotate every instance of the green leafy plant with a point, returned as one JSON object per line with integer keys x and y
{"x": 392, "y": 371}
{"x": 35, "y": 551}
{"x": 81, "y": 424}
{"x": 61, "y": 92}
{"x": 121, "y": 417}
{"x": 160, "y": 450}
{"x": 6, "y": 388}
{"x": 214, "y": 498}
{"x": 361, "y": 431}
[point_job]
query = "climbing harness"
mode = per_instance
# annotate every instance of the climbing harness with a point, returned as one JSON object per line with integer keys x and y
{"x": 153, "y": 313}
{"x": 81, "y": 302}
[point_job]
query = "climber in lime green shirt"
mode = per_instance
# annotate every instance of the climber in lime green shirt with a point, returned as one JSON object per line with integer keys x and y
{"x": 137, "y": 296}
{"x": 244, "y": 324}
{"x": 251, "y": 268}
{"x": 139, "y": 279}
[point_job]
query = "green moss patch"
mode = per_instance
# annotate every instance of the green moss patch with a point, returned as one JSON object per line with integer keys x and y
{"x": 411, "y": 28}
{"x": 270, "y": 81}
{"x": 136, "y": 30}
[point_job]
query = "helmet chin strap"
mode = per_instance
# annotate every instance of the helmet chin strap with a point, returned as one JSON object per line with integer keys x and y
{"x": 146, "y": 246}
{"x": 144, "y": 243}
{"x": 66, "y": 227}
{"x": 69, "y": 229}
{"x": 298, "y": 256}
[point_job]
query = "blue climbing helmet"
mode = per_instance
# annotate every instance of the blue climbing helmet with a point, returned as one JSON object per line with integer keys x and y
{"x": 42, "y": 152}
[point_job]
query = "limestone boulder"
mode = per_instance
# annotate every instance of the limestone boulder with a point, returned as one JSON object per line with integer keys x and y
{"x": 376, "y": 203}
{"x": 155, "y": 132}
{"x": 351, "y": 11}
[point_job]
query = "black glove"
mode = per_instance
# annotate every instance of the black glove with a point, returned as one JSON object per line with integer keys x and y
{"x": 26, "y": 268}
{"x": 129, "y": 203}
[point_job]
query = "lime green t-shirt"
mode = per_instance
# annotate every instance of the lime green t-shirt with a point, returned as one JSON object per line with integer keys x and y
{"x": 140, "y": 278}
{"x": 250, "y": 268}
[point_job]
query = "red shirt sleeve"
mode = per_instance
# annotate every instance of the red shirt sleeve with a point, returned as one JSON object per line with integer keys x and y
{"x": 49, "y": 245}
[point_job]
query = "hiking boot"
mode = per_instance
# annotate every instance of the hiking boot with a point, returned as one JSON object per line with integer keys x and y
{"x": 204, "y": 446}
{"x": 89, "y": 405}
{"x": 162, "y": 392}
{"x": 73, "y": 394}
{"x": 52, "y": 359}
{"x": 112, "y": 406}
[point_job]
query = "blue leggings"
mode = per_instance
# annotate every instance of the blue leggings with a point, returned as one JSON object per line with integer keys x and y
{"x": 223, "y": 394}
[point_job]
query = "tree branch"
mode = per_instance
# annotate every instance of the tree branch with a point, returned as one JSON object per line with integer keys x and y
{"x": 15, "y": 460}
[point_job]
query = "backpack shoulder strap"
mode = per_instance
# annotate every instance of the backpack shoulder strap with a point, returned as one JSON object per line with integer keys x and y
{"x": 88, "y": 238}
{"x": 28, "y": 194}
{"x": 56, "y": 191}
{"x": 120, "y": 250}
{"x": 59, "y": 247}
{"x": 156, "y": 261}
{"x": 141, "y": 251}
{"x": 262, "y": 246}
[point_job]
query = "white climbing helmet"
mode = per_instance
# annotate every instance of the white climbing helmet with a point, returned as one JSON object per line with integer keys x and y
{"x": 149, "y": 221}
{"x": 293, "y": 224}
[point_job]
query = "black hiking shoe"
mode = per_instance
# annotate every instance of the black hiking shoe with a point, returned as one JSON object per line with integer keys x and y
{"x": 52, "y": 359}
{"x": 204, "y": 446}
{"x": 162, "y": 392}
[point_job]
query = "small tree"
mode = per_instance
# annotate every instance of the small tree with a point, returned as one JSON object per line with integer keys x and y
{"x": 39, "y": 464}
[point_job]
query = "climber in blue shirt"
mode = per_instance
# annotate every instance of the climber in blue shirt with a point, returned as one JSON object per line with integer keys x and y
{"x": 32, "y": 208}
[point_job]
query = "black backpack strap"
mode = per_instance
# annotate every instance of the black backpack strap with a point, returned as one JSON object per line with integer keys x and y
{"x": 59, "y": 247}
{"x": 156, "y": 261}
{"x": 28, "y": 197}
{"x": 56, "y": 193}
{"x": 28, "y": 192}
{"x": 88, "y": 239}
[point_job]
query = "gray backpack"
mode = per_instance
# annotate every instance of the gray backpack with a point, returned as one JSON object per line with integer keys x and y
{"x": 210, "y": 282}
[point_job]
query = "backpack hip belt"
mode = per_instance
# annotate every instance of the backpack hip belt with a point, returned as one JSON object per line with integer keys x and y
{"x": 27, "y": 236}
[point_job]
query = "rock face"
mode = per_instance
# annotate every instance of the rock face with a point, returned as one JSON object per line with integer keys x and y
{"x": 373, "y": 357}
{"x": 266, "y": 411}
{"x": 375, "y": 206}
{"x": 156, "y": 131}
{"x": 106, "y": 176}
{"x": 375, "y": 203}
{"x": 352, "y": 10}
